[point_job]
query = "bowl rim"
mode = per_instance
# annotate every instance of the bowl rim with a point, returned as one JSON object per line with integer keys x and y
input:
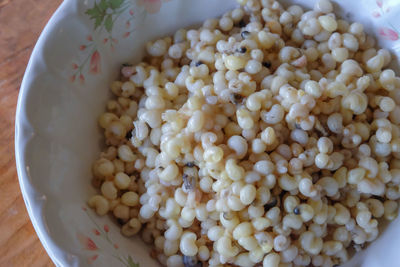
{"x": 33, "y": 199}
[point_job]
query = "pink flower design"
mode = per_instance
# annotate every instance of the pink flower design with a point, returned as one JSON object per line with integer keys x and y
{"x": 95, "y": 62}
{"x": 92, "y": 60}
{"x": 151, "y": 6}
{"x": 82, "y": 78}
{"x": 389, "y": 34}
{"x": 379, "y": 3}
{"x": 376, "y": 14}
{"x": 92, "y": 258}
{"x": 95, "y": 251}
{"x": 87, "y": 242}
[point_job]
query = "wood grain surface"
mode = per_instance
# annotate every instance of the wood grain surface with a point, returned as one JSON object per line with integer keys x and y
{"x": 21, "y": 22}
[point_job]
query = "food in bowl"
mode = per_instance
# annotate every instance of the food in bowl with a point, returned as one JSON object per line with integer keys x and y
{"x": 269, "y": 136}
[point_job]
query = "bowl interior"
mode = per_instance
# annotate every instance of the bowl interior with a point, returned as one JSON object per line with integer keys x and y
{"x": 64, "y": 91}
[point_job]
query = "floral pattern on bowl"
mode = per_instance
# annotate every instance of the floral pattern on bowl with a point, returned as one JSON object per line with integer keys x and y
{"x": 103, "y": 245}
{"x": 390, "y": 31}
{"x": 105, "y": 14}
{"x": 66, "y": 87}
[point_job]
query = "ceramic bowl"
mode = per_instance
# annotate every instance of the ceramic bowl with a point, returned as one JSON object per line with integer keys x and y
{"x": 64, "y": 90}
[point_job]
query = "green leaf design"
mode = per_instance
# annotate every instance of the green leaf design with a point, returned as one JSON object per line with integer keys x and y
{"x": 94, "y": 12}
{"x": 114, "y": 4}
{"x": 108, "y": 24}
{"x": 97, "y": 13}
{"x": 103, "y": 5}
{"x": 98, "y": 22}
{"x": 131, "y": 263}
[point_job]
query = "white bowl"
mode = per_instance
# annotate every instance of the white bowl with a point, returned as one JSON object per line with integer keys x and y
{"x": 64, "y": 90}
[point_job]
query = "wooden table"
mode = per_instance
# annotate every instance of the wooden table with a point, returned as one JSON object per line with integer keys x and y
{"x": 21, "y": 22}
